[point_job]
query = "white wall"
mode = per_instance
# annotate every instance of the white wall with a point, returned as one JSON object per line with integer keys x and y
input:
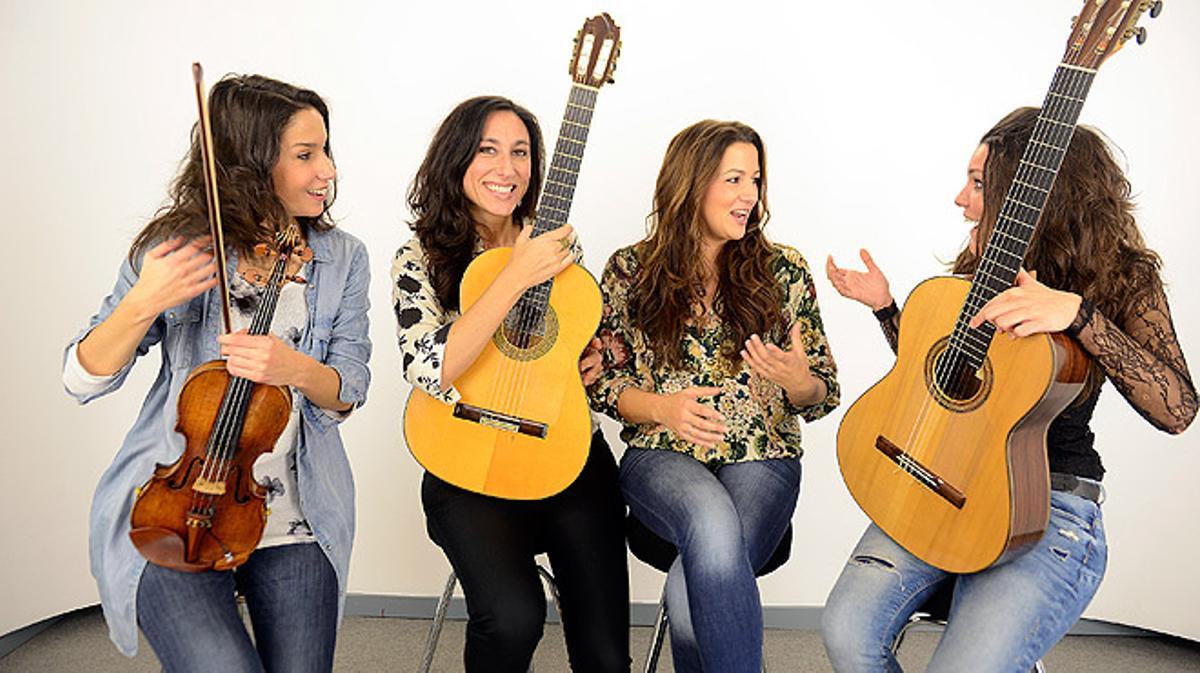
{"x": 869, "y": 110}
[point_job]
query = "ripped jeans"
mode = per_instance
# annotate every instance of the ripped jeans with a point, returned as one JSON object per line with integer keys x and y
{"x": 1002, "y": 619}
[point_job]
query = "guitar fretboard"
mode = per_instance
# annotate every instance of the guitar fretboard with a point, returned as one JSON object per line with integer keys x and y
{"x": 554, "y": 207}
{"x": 1022, "y": 208}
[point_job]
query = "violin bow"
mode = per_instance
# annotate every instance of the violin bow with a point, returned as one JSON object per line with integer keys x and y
{"x": 204, "y": 128}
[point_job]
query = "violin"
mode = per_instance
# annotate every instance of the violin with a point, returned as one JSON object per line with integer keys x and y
{"x": 205, "y": 511}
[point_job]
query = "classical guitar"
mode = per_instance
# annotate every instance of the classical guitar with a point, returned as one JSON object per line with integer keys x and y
{"x": 522, "y": 428}
{"x": 947, "y": 453}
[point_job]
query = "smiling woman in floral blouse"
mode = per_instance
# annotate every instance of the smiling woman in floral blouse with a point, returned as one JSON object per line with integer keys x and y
{"x": 713, "y": 345}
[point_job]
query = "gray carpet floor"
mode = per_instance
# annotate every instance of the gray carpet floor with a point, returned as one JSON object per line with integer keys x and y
{"x": 79, "y": 642}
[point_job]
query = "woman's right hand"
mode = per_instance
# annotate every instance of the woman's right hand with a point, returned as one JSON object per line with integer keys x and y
{"x": 536, "y": 260}
{"x": 869, "y": 287}
{"x": 172, "y": 272}
{"x": 690, "y": 420}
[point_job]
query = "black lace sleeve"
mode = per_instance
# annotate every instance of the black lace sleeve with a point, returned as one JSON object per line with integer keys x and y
{"x": 889, "y": 322}
{"x": 1143, "y": 360}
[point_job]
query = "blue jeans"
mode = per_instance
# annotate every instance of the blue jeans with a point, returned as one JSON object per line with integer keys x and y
{"x": 726, "y": 524}
{"x": 192, "y": 622}
{"x": 1001, "y": 619}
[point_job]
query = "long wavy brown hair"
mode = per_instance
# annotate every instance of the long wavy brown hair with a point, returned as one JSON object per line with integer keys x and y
{"x": 441, "y": 212}
{"x": 668, "y": 290}
{"x": 248, "y": 115}
{"x": 1087, "y": 241}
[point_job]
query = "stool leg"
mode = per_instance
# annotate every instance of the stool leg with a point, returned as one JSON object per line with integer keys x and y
{"x": 660, "y": 630}
{"x": 764, "y": 654}
{"x": 912, "y": 621}
{"x": 439, "y": 617}
{"x": 548, "y": 580}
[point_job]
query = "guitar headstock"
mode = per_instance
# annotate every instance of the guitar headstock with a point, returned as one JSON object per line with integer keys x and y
{"x": 1103, "y": 27}
{"x": 597, "y": 46}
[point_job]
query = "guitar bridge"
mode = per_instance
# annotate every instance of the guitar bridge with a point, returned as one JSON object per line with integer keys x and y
{"x": 500, "y": 421}
{"x": 922, "y": 474}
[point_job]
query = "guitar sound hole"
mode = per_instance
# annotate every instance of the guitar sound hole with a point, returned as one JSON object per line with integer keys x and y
{"x": 959, "y": 382}
{"x": 523, "y": 338}
{"x": 952, "y": 381}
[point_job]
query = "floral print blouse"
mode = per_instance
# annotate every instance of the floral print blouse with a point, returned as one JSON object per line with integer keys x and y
{"x": 762, "y": 422}
{"x": 422, "y": 324}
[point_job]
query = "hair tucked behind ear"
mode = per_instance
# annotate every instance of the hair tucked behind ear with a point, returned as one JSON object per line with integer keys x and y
{"x": 671, "y": 277}
{"x": 248, "y": 115}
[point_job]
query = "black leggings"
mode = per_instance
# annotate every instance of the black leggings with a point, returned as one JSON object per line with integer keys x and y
{"x": 491, "y": 543}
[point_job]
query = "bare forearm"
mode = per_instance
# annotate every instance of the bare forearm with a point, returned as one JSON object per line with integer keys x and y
{"x": 320, "y": 383}
{"x": 108, "y": 347}
{"x": 471, "y": 332}
{"x": 638, "y": 406}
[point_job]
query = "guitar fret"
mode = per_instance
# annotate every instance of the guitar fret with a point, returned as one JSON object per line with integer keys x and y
{"x": 1008, "y": 219}
{"x": 1065, "y": 97}
{"x": 1078, "y": 68}
{"x": 1031, "y": 186}
{"x": 1031, "y": 164}
{"x": 1021, "y": 203}
{"x": 1057, "y": 122}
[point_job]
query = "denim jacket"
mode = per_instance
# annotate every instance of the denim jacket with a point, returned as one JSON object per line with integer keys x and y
{"x": 336, "y": 335}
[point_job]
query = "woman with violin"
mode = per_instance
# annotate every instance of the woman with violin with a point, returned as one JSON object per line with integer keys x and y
{"x": 302, "y": 334}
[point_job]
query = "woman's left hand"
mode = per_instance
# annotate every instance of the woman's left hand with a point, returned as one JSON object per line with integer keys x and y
{"x": 591, "y": 363}
{"x": 262, "y": 359}
{"x": 1029, "y": 308}
{"x": 787, "y": 368}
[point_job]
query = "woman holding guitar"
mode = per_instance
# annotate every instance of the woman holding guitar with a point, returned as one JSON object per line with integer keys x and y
{"x": 1090, "y": 276}
{"x": 475, "y": 190}
{"x": 271, "y": 143}
{"x": 713, "y": 347}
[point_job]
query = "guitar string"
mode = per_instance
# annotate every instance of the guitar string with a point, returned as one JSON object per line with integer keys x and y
{"x": 534, "y": 304}
{"x": 925, "y": 433}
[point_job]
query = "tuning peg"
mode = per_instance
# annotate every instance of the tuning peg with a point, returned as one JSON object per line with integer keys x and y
{"x": 1140, "y": 33}
{"x": 1155, "y": 9}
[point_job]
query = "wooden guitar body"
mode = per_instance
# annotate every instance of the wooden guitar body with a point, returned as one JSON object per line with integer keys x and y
{"x": 961, "y": 483}
{"x": 521, "y": 390}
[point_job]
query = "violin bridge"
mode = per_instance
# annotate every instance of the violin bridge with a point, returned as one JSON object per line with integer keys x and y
{"x": 202, "y": 485}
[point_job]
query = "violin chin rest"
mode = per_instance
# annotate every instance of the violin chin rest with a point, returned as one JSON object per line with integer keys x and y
{"x": 164, "y": 547}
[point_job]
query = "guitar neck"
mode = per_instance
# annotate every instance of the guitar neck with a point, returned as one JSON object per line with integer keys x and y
{"x": 1023, "y": 205}
{"x": 554, "y": 207}
{"x": 555, "y": 204}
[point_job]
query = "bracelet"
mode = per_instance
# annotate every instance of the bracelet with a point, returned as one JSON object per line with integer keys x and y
{"x": 887, "y": 312}
{"x": 1082, "y": 318}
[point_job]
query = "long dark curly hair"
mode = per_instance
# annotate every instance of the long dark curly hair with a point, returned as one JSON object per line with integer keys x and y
{"x": 1087, "y": 241}
{"x": 441, "y": 212}
{"x": 667, "y": 292}
{"x": 248, "y": 114}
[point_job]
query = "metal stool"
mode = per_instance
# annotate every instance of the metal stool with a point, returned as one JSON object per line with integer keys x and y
{"x": 934, "y": 611}
{"x": 439, "y": 614}
{"x": 657, "y": 553}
